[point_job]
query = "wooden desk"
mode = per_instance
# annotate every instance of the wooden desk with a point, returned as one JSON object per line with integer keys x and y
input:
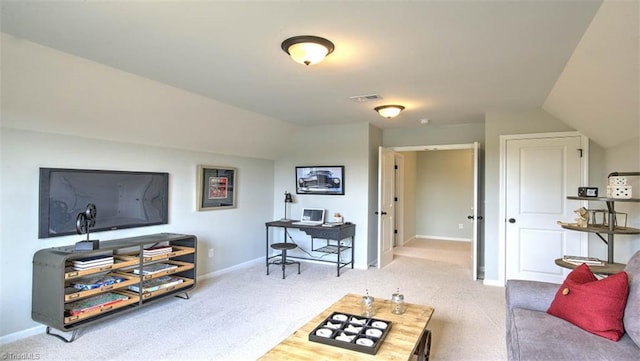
{"x": 333, "y": 237}
{"x": 408, "y": 335}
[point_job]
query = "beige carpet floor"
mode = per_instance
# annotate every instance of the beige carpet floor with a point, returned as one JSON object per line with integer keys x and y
{"x": 453, "y": 252}
{"x": 239, "y": 315}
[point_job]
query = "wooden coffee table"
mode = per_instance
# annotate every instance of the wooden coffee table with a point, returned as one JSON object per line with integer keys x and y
{"x": 408, "y": 335}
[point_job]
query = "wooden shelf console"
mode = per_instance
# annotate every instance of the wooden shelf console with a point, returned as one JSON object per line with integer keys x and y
{"x": 53, "y": 291}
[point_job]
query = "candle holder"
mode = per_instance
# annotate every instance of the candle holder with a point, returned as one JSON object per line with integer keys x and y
{"x": 368, "y": 309}
{"x": 397, "y": 303}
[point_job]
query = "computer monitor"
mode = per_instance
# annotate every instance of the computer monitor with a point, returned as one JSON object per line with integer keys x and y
{"x": 312, "y": 215}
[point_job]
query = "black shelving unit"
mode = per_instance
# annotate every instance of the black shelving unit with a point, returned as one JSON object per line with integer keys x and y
{"x": 610, "y": 229}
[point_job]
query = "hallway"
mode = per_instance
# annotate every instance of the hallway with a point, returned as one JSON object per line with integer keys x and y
{"x": 453, "y": 252}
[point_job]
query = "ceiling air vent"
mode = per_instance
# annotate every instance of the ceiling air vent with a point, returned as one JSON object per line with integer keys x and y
{"x": 365, "y": 98}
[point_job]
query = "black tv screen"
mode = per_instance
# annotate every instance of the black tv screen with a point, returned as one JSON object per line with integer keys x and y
{"x": 123, "y": 199}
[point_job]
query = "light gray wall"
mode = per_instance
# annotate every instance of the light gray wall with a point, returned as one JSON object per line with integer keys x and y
{"x": 444, "y": 193}
{"x": 623, "y": 157}
{"x": 231, "y": 233}
{"x": 346, "y": 145}
{"x": 47, "y": 90}
{"x": 432, "y": 134}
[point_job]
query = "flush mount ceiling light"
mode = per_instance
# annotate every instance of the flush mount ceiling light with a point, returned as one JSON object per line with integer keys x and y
{"x": 307, "y": 49}
{"x": 389, "y": 111}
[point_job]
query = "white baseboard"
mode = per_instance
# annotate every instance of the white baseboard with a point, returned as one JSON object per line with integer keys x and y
{"x": 261, "y": 260}
{"x": 443, "y": 238}
{"x": 495, "y": 283}
{"x": 232, "y": 268}
{"x": 22, "y": 334}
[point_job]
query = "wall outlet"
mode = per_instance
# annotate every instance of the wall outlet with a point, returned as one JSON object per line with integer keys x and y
{"x": 210, "y": 252}
{"x": 460, "y": 226}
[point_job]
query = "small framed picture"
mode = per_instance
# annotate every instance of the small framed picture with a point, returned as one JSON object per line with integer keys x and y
{"x": 320, "y": 180}
{"x": 216, "y": 187}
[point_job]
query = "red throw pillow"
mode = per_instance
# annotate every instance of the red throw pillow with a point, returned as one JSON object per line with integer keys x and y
{"x": 594, "y": 305}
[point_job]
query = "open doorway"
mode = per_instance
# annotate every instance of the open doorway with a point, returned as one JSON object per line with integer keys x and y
{"x": 435, "y": 214}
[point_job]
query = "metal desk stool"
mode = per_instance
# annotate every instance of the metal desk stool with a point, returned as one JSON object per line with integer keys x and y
{"x": 283, "y": 248}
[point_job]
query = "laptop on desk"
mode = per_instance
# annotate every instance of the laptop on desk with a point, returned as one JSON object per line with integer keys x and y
{"x": 311, "y": 217}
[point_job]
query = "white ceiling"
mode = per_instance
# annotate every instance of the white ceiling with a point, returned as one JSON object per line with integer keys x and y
{"x": 448, "y": 61}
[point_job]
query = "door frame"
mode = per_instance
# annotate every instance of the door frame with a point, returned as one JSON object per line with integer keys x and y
{"x": 502, "y": 193}
{"x": 398, "y": 210}
{"x": 475, "y": 148}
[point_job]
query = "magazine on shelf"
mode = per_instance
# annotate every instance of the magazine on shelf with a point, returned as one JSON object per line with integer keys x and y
{"x": 156, "y": 284}
{"x": 154, "y": 268}
{"x": 578, "y": 260}
{"x": 97, "y": 282}
{"x": 94, "y": 303}
{"x": 156, "y": 251}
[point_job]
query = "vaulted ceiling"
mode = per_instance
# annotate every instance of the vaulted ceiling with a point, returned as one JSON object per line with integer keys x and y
{"x": 446, "y": 61}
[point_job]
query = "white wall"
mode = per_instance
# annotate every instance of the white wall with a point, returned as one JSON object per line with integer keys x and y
{"x": 237, "y": 235}
{"x": 598, "y": 91}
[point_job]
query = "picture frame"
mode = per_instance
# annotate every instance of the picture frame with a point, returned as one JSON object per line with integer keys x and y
{"x": 323, "y": 180}
{"x": 216, "y": 187}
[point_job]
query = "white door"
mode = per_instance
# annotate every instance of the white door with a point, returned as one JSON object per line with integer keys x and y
{"x": 539, "y": 175}
{"x": 474, "y": 215}
{"x": 386, "y": 177}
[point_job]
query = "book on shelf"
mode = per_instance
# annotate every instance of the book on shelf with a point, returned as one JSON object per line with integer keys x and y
{"x": 93, "y": 303}
{"x": 96, "y": 282}
{"x": 578, "y": 260}
{"x": 93, "y": 259}
{"x": 156, "y": 284}
{"x": 154, "y": 268}
{"x": 92, "y": 262}
{"x": 156, "y": 251}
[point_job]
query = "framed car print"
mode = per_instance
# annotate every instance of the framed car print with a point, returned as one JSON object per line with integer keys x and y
{"x": 320, "y": 180}
{"x": 216, "y": 187}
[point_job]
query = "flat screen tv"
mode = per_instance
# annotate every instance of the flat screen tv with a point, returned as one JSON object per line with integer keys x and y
{"x": 123, "y": 199}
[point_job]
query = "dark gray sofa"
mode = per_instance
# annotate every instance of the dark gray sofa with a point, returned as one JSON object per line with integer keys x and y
{"x": 532, "y": 334}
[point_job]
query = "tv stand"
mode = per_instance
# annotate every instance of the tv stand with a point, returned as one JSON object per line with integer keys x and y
{"x": 59, "y": 304}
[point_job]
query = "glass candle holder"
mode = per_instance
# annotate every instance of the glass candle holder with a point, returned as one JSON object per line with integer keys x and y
{"x": 368, "y": 309}
{"x": 397, "y": 303}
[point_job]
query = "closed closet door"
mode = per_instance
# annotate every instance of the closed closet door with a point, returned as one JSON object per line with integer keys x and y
{"x": 539, "y": 175}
